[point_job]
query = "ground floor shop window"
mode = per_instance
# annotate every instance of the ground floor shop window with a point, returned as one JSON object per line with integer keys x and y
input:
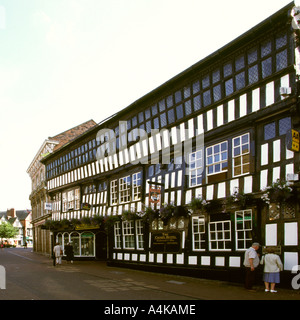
{"x": 243, "y": 229}
{"x": 83, "y": 243}
{"x": 139, "y": 234}
{"x": 220, "y": 235}
{"x": 198, "y": 227}
{"x": 75, "y": 240}
{"x": 87, "y": 244}
{"x": 129, "y": 235}
{"x": 117, "y": 233}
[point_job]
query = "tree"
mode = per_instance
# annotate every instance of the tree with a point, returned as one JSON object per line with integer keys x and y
{"x": 7, "y": 231}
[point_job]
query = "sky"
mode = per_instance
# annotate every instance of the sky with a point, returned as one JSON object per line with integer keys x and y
{"x": 64, "y": 62}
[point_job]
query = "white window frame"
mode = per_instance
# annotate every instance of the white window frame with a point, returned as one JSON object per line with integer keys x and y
{"x": 117, "y": 235}
{"x": 195, "y": 168}
{"x": 136, "y": 186}
{"x": 114, "y": 192}
{"x": 139, "y": 227}
{"x": 244, "y": 230}
{"x": 71, "y": 200}
{"x": 239, "y": 148}
{"x": 124, "y": 189}
{"x": 198, "y": 231}
{"x": 220, "y": 235}
{"x": 216, "y": 158}
{"x": 128, "y": 234}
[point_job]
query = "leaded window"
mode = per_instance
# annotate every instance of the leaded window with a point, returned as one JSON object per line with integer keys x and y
{"x": 198, "y": 227}
{"x": 217, "y": 158}
{"x": 220, "y": 235}
{"x": 196, "y": 168}
{"x": 241, "y": 155}
{"x": 243, "y": 229}
{"x": 128, "y": 234}
{"x": 139, "y": 234}
{"x": 124, "y": 189}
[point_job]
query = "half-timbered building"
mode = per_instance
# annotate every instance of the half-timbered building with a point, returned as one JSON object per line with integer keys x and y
{"x": 188, "y": 176}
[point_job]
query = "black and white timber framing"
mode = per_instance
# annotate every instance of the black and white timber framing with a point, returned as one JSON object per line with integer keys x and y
{"x": 243, "y": 101}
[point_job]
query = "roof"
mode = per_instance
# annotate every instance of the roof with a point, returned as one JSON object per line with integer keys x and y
{"x": 70, "y": 134}
{"x": 20, "y": 214}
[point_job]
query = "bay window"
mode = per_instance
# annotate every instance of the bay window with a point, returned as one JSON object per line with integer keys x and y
{"x": 126, "y": 189}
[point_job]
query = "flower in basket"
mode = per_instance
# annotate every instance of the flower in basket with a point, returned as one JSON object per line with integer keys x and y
{"x": 279, "y": 191}
{"x": 240, "y": 199}
{"x": 149, "y": 214}
{"x": 197, "y": 204}
{"x": 128, "y": 215}
{"x": 166, "y": 212}
{"x": 214, "y": 206}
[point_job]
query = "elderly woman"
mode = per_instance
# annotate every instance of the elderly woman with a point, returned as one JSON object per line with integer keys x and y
{"x": 272, "y": 268}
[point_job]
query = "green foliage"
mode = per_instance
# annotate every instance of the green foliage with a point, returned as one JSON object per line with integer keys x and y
{"x": 7, "y": 231}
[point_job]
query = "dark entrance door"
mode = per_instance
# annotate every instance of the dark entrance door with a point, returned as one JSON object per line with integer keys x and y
{"x": 101, "y": 246}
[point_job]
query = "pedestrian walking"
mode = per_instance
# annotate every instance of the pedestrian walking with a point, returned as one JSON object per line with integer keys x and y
{"x": 272, "y": 268}
{"x": 58, "y": 252}
{"x": 69, "y": 252}
{"x": 251, "y": 262}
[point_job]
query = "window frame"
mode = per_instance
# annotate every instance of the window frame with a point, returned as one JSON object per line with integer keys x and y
{"x": 71, "y": 199}
{"x": 126, "y": 189}
{"x": 241, "y": 155}
{"x": 194, "y": 168}
{"x": 247, "y": 241}
{"x": 140, "y": 240}
{"x": 117, "y": 235}
{"x": 221, "y": 240}
{"x": 201, "y": 234}
{"x": 128, "y": 236}
{"x": 219, "y": 162}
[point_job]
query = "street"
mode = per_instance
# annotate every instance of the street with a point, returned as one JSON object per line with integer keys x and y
{"x": 30, "y": 276}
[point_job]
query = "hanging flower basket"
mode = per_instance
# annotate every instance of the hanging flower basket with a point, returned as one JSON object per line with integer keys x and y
{"x": 214, "y": 206}
{"x": 149, "y": 214}
{"x": 278, "y": 192}
{"x": 240, "y": 200}
{"x": 166, "y": 213}
{"x": 197, "y": 205}
{"x": 53, "y": 224}
{"x": 110, "y": 221}
{"x": 128, "y": 215}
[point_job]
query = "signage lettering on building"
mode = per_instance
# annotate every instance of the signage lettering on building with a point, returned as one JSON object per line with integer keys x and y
{"x": 86, "y": 206}
{"x": 169, "y": 242}
{"x": 48, "y": 206}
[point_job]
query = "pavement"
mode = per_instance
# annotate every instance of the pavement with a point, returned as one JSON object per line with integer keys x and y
{"x": 186, "y": 288}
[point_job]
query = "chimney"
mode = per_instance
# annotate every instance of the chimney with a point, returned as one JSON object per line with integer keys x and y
{"x": 11, "y": 213}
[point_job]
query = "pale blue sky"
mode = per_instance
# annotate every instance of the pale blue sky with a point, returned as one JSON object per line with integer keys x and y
{"x": 63, "y": 62}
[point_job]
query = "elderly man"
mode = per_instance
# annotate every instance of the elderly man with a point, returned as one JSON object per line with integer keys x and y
{"x": 251, "y": 262}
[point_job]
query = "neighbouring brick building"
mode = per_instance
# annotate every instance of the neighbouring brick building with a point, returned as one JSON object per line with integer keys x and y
{"x": 185, "y": 178}
{"x": 39, "y": 197}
